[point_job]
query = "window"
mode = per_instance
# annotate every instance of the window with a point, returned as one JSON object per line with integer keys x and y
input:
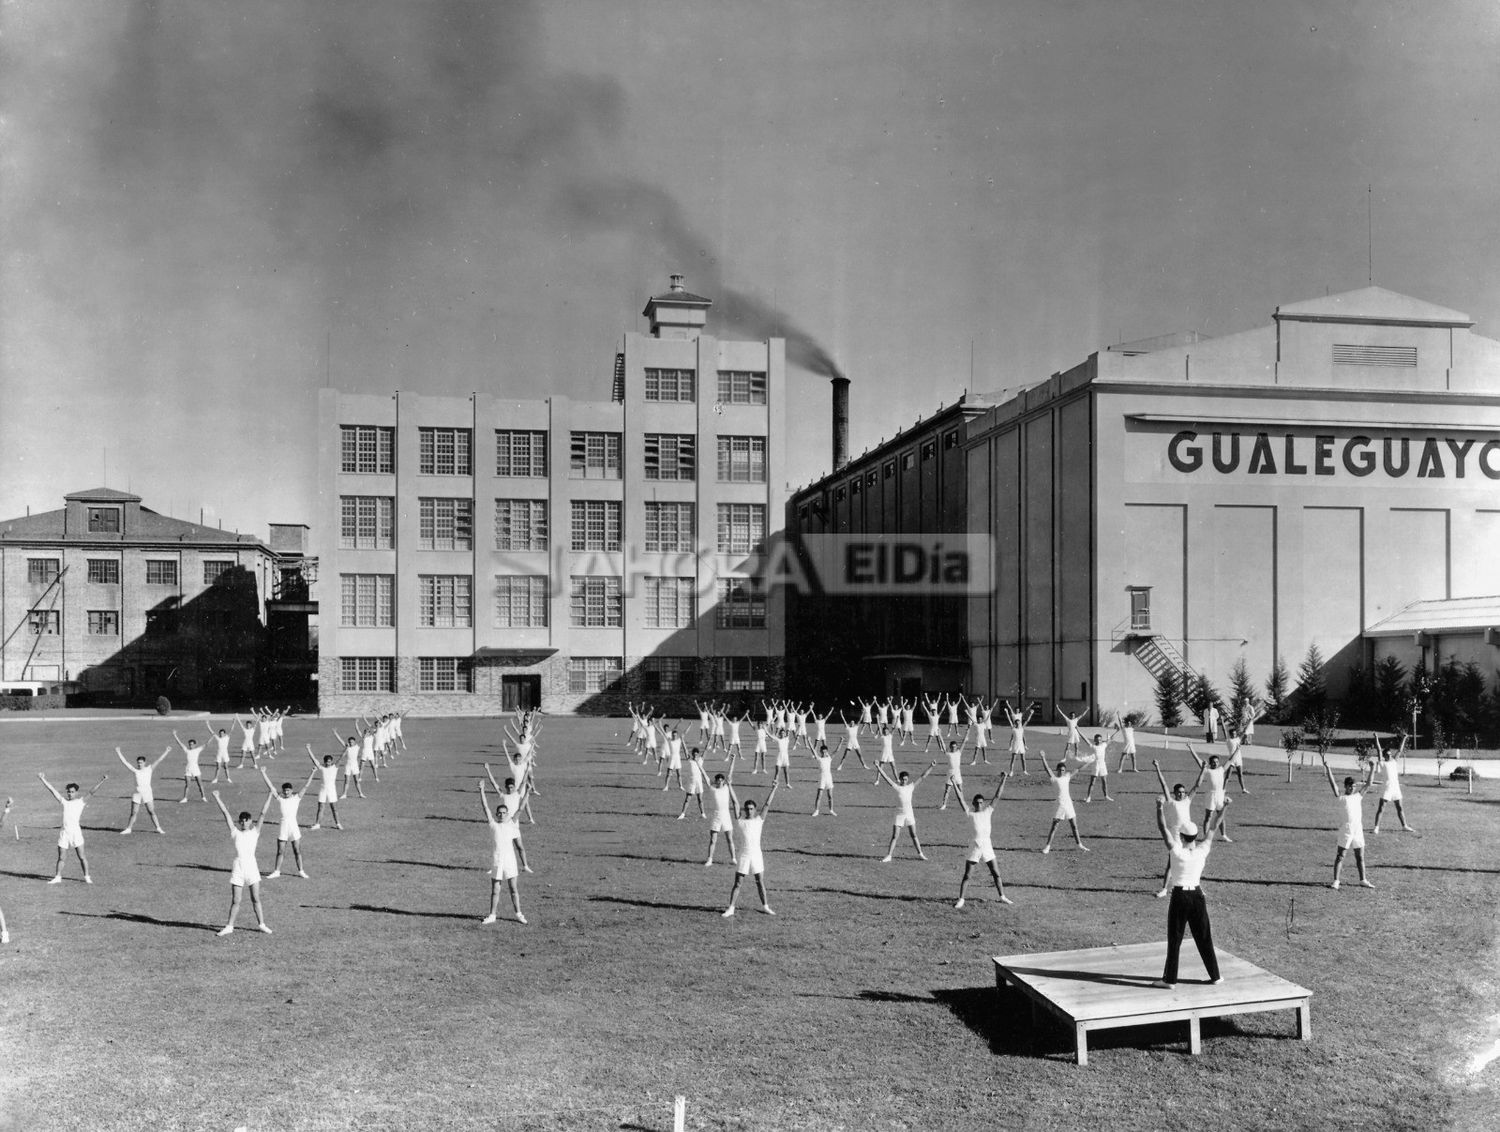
{"x": 367, "y": 449}
{"x": 890, "y": 469}
{"x": 669, "y": 384}
{"x": 742, "y": 459}
{"x": 104, "y": 520}
{"x": 950, "y": 439}
{"x": 669, "y": 603}
{"x": 215, "y": 568}
{"x": 520, "y": 524}
{"x": 43, "y": 570}
{"x": 444, "y": 452}
{"x": 443, "y": 674}
{"x": 45, "y": 622}
{"x": 1140, "y": 608}
{"x": 742, "y": 673}
{"x": 367, "y": 674}
{"x": 1354, "y": 355}
{"x": 840, "y": 493}
{"x": 104, "y": 571}
{"x": 593, "y": 673}
{"x": 520, "y": 453}
{"x": 161, "y": 622}
{"x": 596, "y": 603}
{"x": 596, "y": 524}
{"x": 669, "y": 674}
{"x": 742, "y": 387}
{"x": 908, "y": 461}
{"x": 742, "y": 527}
{"x": 366, "y": 522}
{"x": 521, "y": 601}
{"x": 742, "y": 604}
{"x": 870, "y": 478}
{"x": 594, "y": 456}
{"x": 670, "y": 456}
{"x": 104, "y": 623}
{"x": 445, "y": 524}
{"x": 929, "y": 450}
{"x": 669, "y": 526}
{"x": 854, "y": 486}
{"x": 443, "y": 601}
{"x": 161, "y": 572}
{"x": 367, "y": 601}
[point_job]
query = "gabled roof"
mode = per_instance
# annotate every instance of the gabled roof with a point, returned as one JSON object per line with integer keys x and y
{"x": 1439, "y": 616}
{"x": 681, "y": 299}
{"x": 104, "y": 495}
{"x": 149, "y": 527}
{"x": 1373, "y": 304}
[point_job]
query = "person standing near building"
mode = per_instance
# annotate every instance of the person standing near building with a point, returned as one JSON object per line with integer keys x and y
{"x": 512, "y": 797}
{"x": 825, "y": 779}
{"x": 693, "y": 791}
{"x": 722, "y": 795}
{"x": 1352, "y": 832}
{"x": 71, "y": 834}
{"x": 1391, "y": 791}
{"x": 1018, "y": 722}
{"x": 981, "y": 814}
{"x": 1126, "y": 730}
{"x": 749, "y": 860}
{"x": 504, "y": 833}
{"x": 851, "y": 742}
{"x": 904, "y": 818}
{"x": 783, "y": 758}
{"x": 351, "y": 764}
{"x": 1188, "y": 849}
{"x": 1099, "y": 768}
{"x": 247, "y": 748}
{"x": 1073, "y": 740}
{"x": 328, "y": 789}
{"x": 1062, "y": 782}
{"x": 192, "y": 771}
{"x": 1177, "y": 805}
{"x": 1211, "y": 723}
{"x": 245, "y": 833}
{"x": 1217, "y": 795}
{"x": 143, "y": 795}
{"x": 289, "y": 834}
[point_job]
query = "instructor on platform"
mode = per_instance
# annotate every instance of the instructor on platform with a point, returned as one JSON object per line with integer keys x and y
{"x": 1188, "y": 849}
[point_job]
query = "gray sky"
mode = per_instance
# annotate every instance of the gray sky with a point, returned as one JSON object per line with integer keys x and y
{"x": 209, "y": 204}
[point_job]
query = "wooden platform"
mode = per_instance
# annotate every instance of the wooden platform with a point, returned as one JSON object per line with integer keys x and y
{"x": 1100, "y": 988}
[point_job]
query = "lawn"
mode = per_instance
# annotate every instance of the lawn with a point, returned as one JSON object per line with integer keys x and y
{"x": 867, "y": 1002}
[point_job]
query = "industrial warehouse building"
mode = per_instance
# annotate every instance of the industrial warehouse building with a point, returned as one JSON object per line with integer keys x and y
{"x": 1332, "y": 478}
{"x": 111, "y": 598}
{"x": 491, "y": 554}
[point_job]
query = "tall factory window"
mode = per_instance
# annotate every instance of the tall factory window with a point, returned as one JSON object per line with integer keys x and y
{"x": 104, "y": 571}
{"x": 668, "y": 674}
{"x": 367, "y": 673}
{"x": 669, "y": 603}
{"x": 521, "y": 601}
{"x": 669, "y": 526}
{"x": 742, "y": 673}
{"x": 596, "y": 524}
{"x": 596, "y": 603}
{"x": 669, "y": 384}
{"x": 742, "y": 604}
{"x": 43, "y": 570}
{"x": 104, "y": 623}
{"x": 161, "y": 572}
{"x": 215, "y": 568}
{"x": 520, "y": 524}
{"x": 742, "y": 387}
{"x": 45, "y": 622}
{"x": 445, "y": 452}
{"x": 594, "y": 673}
{"x": 742, "y": 527}
{"x": 671, "y": 456}
{"x": 443, "y": 674}
{"x": 366, "y": 601}
{"x": 445, "y": 524}
{"x": 520, "y": 453}
{"x": 367, "y": 449}
{"x": 366, "y": 522}
{"x": 742, "y": 459}
{"x": 443, "y": 601}
{"x": 594, "y": 456}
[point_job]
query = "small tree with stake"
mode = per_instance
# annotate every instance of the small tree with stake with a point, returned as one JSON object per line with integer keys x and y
{"x": 1291, "y": 741}
{"x": 1322, "y": 729}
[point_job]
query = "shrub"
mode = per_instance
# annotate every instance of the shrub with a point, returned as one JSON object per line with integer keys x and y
{"x": 1276, "y": 684}
{"x": 163, "y": 706}
{"x": 1169, "y": 698}
{"x": 1312, "y": 687}
{"x": 1242, "y": 698}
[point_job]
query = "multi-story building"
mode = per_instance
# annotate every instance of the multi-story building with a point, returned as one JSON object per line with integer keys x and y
{"x": 491, "y": 553}
{"x": 914, "y": 484}
{"x": 111, "y": 596}
{"x": 1190, "y": 503}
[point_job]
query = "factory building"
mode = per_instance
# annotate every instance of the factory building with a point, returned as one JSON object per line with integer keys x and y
{"x": 486, "y": 554}
{"x": 1330, "y": 479}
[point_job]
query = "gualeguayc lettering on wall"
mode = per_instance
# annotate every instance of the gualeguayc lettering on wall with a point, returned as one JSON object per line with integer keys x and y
{"x": 1360, "y": 455}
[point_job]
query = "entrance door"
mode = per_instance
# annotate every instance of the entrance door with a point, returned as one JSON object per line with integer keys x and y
{"x": 520, "y": 693}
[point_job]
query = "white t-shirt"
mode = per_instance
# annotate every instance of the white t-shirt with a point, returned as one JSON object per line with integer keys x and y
{"x": 1353, "y": 805}
{"x": 903, "y": 798}
{"x": 72, "y": 815}
{"x": 1186, "y": 869}
{"x": 981, "y": 820}
{"x": 749, "y": 834}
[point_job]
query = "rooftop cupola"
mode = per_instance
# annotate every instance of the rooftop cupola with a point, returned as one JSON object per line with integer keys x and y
{"x": 677, "y": 312}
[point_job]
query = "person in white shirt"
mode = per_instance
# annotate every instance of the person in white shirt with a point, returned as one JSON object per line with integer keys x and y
{"x": 1217, "y": 778}
{"x": 71, "y": 834}
{"x": 328, "y": 789}
{"x": 721, "y": 794}
{"x": 1099, "y": 768}
{"x": 503, "y": 868}
{"x": 693, "y": 789}
{"x": 955, "y": 777}
{"x": 1126, "y": 730}
{"x": 192, "y": 771}
{"x": 1352, "y": 832}
{"x": 245, "y": 832}
{"x": 1189, "y": 852}
{"x": 825, "y": 779}
{"x": 1018, "y": 722}
{"x": 289, "y": 833}
{"x": 1071, "y": 743}
{"x": 750, "y": 861}
{"x": 1062, "y": 781}
{"x": 1391, "y": 792}
{"x": 351, "y": 764}
{"x": 1178, "y": 806}
{"x": 851, "y": 742}
{"x": 143, "y": 795}
{"x": 783, "y": 765}
{"x": 512, "y": 798}
{"x": 982, "y": 848}
{"x": 904, "y": 818}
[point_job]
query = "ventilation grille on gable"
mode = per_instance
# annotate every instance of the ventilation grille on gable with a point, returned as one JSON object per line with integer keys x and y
{"x": 1402, "y": 356}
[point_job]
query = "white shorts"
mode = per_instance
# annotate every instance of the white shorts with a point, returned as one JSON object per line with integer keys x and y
{"x": 674, "y": 763}
{"x": 143, "y": 798}
{"x": 246, "y": 746}
{"x": 289, "y": 833}
{"x": 1065, "y": 812}
{"x": 1216, "y": 800}
{"x": 367, "y": 756}
{"x": 1238, "y": 759}
{"x": 888, "y": 757}
{"x": 979, "y": 853}
{"x": 329, "y": 794}
{"x": 70, "y": 839}
{"x": 825, "y": 780}
{"x": 1100, "y": 769}
{"x": 1017, "y": 745}
{"x": 956, "y": 779}
{"x": 351, "y": 769}
{"x": 504, "y": 870}
{"x": 1351, "y": 839}
{"x": 241, "y": 876}
{"x": 193, "y": 772}
{"x": 783, "y": 758}
{"x": 720, "y": 825}
{"x": 853, "y": 744}
{"x": 750, "y": 864}
{"x": 1391, "y": 794}
{"x": 694, "y": 788}
{"x": 904, "y": 819}
{"x": 223, "y": 760}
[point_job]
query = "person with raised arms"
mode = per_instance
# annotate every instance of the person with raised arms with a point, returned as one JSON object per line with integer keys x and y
{"x": 887, "y": 751}
{"x": 933, "y": 709}
{"x": 505, "y": 833}
{"x": 1017, "y": 748}
{"x": 724, "y": 802}
{"x": 783, "y": 765}
{"x": 289, "y": 834}
{"x": 328, "y": 789}
{"x": 71, "y": 834}
{"x": 1391, "y": 791}
{"x": 1099, "y": 767}
{"x": 1177, "y": 805}
{"x": 981, "y": 815}
{"x": 221, "y": 740}
{"x": 244, "y": 831}
{"x": 1126, "y": 730}
{"x": 192, "y": 771}
{"x": 758, "y": 757}
{"x": 351, "y": 763}
{"x": 143, "y": 797}
{"x": 247, "y": 747}
{"x": 1189, "y": 910}
{"x": 1074, "y": 739}
{"x": 954, "y": 780}
{"x": 1061, "y": 782}
{"x": 749, "y": 860}
{"x": 825, "y": 779}
{"x": 851, "y": 742}
{"x": 1352, "y": 832}
{"x": 1217, "y": 777}
{"x": 512, "y": 798}
{"x": 693, "y": 790}
{"x": 905, "y": 817}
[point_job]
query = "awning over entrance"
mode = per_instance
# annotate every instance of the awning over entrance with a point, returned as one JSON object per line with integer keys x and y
{"x": 517, "y": 658}
{"x": 1441, "y": 617}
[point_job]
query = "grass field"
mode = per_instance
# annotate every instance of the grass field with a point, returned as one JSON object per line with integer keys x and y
{"x": 868, "y": 1002}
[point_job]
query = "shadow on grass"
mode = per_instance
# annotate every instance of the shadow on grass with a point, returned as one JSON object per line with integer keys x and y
{"x": 419, "y": 864}
{"x": 25, "y": 876}
{"x": 386, "y": 910}
{"x": 812, "y": 853}
{"x": 655, "y": 904}
{"x": 905, "y": 899}
{"x": 142, "y": 918}
{"x": 648, "y": 857}
{"x": 1272, "y": 883}
{"x": 1431, "y": 868}
{"x": 452, "y": 817}
{"x": 1298, "y": 828}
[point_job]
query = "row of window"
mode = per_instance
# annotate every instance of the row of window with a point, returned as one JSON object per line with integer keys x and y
{"x": 736, "y": 387}
{"x": 368, "y": 522}
{"x": 521, "y": 602}
{"x": 585, "y": 674}
{"x": 106, "y": 622}
{"x": 522, "y": 453}
{"x": 871, "y": 478}
{"x": 106, "y": 571}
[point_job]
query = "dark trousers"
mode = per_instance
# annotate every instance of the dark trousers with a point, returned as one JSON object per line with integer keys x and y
{"x": 1189, "y": 910}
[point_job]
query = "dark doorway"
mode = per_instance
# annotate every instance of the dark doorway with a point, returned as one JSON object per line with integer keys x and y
{"x": 520, "y": 693}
